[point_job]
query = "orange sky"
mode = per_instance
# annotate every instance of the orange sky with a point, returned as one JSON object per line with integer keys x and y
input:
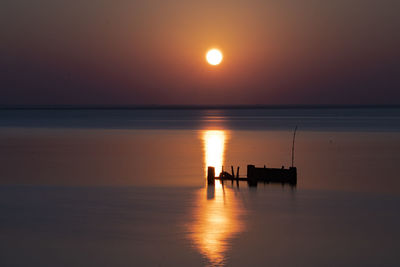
{"x": 152, "y": 52}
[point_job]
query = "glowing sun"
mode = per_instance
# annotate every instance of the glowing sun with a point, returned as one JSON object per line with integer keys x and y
{"x": 214, "y": 57}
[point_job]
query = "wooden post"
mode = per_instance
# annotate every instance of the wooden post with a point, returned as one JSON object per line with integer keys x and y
{"x": 237, "y": 172}
{"x": 233, "y": 172}
{"x": 251, "y": 176}
{"x": 211, "y": 175}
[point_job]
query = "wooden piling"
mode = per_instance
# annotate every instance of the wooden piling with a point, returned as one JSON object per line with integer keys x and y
{"x": 211, "y": 175}
{"x": 251, "y": 176}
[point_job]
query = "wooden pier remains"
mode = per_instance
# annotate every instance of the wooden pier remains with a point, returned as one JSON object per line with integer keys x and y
{"x": 255, "y": 175}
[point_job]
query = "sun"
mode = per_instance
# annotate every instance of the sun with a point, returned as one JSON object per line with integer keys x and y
{"x": 214, "y": 57}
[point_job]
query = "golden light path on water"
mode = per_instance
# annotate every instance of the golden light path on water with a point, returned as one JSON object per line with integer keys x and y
{"x": 214, "y": 149}
{"x": 217, "y": 212}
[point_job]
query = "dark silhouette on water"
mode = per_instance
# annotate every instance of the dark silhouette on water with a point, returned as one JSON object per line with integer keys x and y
{"x": 255, "y": 175}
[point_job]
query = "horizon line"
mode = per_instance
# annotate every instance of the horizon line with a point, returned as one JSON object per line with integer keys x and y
{"x": 175, "y": 106}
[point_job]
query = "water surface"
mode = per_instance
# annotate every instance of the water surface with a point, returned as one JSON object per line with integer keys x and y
{"x": 127, "y": 187}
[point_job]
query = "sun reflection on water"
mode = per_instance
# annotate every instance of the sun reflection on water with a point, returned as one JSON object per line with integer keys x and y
{"x": 217, "y": 213}
{"x": 214, "y": 148}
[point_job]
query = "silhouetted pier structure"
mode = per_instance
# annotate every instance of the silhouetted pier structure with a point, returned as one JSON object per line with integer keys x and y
{"x": 255, "y": 175}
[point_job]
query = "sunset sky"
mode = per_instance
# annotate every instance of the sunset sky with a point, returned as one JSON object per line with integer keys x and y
{"x": 153, "y": 52}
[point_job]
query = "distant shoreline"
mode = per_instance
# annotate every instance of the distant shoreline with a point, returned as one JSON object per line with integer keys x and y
{"x": 187, "y": 107}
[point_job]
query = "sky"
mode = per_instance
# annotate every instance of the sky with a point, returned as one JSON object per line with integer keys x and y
{"x": 148, "y": 52}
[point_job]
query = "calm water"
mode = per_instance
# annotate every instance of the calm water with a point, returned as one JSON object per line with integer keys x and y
{"x": 127, "y": 188}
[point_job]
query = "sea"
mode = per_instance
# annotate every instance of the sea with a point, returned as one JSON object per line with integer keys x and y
{"x": 126, "y": 186}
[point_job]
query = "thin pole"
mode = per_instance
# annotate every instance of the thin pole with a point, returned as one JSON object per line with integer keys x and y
{"x": 294, "y": 138}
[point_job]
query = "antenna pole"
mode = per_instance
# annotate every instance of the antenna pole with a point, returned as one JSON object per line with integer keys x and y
{"x": 294, "y": 138}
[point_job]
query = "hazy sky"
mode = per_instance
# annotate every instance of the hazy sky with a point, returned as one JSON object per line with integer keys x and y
{"x": 153, "y": 52}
